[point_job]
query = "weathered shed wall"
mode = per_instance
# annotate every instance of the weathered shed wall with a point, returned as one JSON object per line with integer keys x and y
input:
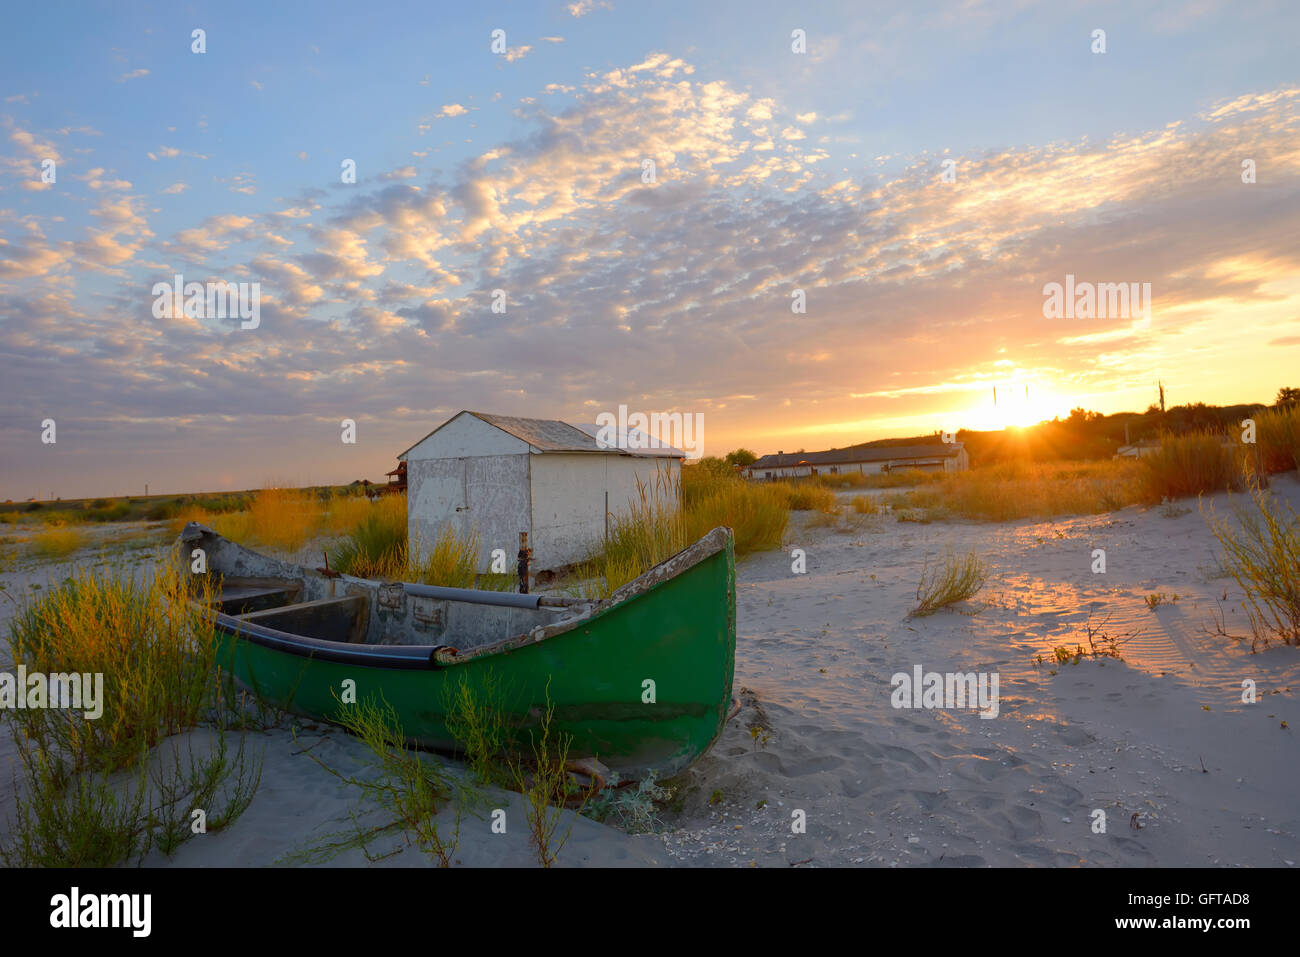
{"x": 473, "y": 476}
{"x": 569, "y": 499}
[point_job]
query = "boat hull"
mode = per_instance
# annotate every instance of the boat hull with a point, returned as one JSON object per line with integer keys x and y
{"x": 643, "y": 683}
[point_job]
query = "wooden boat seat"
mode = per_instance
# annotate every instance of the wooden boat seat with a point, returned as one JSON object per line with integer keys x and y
{"x": 240, "y": 595}
{"x": 330, "y": 619}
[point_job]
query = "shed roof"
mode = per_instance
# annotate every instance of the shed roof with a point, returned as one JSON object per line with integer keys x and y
{"x": 859, "y": 453}
{"x": 552, "y": 435}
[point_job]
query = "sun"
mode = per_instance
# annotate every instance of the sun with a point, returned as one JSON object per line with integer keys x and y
{"x": 1013, "y": 409}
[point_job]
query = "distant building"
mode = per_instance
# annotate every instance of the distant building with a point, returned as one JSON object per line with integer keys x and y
{"x": 1138, "y": 449}
{"x": 861, "y": 459}
{"x": 502, "y": 475}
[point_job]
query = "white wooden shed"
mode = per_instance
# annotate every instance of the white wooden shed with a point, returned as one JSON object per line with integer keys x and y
{"x": 503, "y": 475}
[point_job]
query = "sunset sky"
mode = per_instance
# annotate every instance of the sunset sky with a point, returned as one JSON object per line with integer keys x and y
{"x": 775, "y": 171}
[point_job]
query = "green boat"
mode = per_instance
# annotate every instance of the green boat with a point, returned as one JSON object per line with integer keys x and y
{"x": 641, "y": 680}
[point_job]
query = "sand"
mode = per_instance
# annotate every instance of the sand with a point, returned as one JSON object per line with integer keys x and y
{"x": 1162, "y": 734}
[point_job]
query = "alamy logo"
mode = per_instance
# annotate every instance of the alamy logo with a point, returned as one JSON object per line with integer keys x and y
{"x": 79, "y": 691}
{"x": 102, "y": 910}
{"x": 1106, "y": 300}
{"x": 213, "y": 300}
{"x": 658, "y": 430}
{"x": 934, "y": 690}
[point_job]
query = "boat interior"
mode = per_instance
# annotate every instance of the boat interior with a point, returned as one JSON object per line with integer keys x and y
{"x": 356, "y": 611}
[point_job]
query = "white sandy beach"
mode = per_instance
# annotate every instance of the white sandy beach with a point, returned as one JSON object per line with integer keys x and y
{"x": 1162, "y": 734}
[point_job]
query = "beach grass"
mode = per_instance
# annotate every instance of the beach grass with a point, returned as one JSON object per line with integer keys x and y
{"x": 1261, "y": 552}
{"x": 375, "y": 546}
{"x": 803, "y": 496}
{"x": 94, "y": 789}
{"x": 409, "y": 788}
{"x": 756, "y": 513}
{"x": 1187, "y": 465}
{"x": 57, "y": 542}
{"x": 476, "y": 721}
{"x": 864, "y": 505}
{"x": 155, "y": 651}
{"x": 1278, "y": 438}
{"x": 955, "y": 579}
{"x": 1015, "y": 490}
{"x": 543, "y": 779}
{"x": 649, "y": 530}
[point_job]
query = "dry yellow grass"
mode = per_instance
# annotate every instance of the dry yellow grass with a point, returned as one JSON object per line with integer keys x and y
{"x": 864, "y": 505}
{"x": 343, "y": 513}
{"x": 802, "y": 496}
{"x": 57, "y": 541}
{"x": 289, "y": 518}
{"x": 1022, "y": 490}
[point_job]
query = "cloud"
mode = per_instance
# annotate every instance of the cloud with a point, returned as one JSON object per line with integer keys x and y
{"x": 517, "y": 53}
{"x": 583, "y": 7}
{"x": 920, "y": 293}
{"x": 132, "y": 75}
{"x": 171, "y": 152}
{"x": 175, "y": 189}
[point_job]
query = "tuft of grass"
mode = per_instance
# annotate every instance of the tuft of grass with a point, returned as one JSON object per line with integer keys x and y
{"x": 864, "y": 505}
{"x": 376, "y": 545}
{"x": 1262, "y": 554}
{"x": 346, "y": 512}
{"x": 805, "y": 496}
{"x": 476, "y": 721}
{"x": 755, "y": 512}
{"x": 450, "y": 561}
{"x": 57, "y": 542}
{"x": 1015, "y": 490}
{"x": 156, "y": 652}
{"x": 78, "y": 821}
{"x": 86, "y": 797}
{"x": 408, "y": 787}
{"x": 546, "y": 786}
{"x": 955, "y": 580}
{"x": 651, "y": 529}
{"x": 1278, "y": 438}
{"x": 1184, "y": 465}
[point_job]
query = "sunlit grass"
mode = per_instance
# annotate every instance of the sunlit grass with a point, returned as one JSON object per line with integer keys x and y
{"x": 864, "y": 505}
{"x": 650, "y": 530}
{"x": 154, "y": 649}
{"x": 754, "y": 511}
{"x": 57, "y": 542}
{"x": 956, "y": 579}
{"x": 1262, "y": 554}
{"x": 803, "y": 496}
{"x": 1278, "y": 438}
{"x": 1185, "y": 465}
{"x": 1017, "y": 490}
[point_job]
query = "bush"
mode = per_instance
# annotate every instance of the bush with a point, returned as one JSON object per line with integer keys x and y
{"x": 57, "y": 542}
{"x": 754, "y": 511}
{"x": 1277, "y": 437}
{"x": 864, "y": 505}
{"x": 1187, "y": 465}
{"x": 1262, "y": 554}
{"x": 956, "y": 580}
{"x": 805, "y": 496}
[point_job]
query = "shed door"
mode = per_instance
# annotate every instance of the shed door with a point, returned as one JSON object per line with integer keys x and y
{"x": 500, "y": 504}
{"x": 436, "y": 496}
